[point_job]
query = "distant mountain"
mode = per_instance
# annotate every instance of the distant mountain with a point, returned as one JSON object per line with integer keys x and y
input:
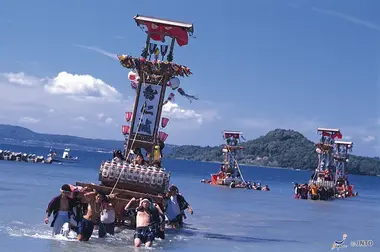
{"x": 10, "y": 134}
{"x": 278, "y": 148}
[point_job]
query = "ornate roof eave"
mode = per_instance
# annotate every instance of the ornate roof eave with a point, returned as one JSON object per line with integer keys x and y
{"x": 154, "y": 67}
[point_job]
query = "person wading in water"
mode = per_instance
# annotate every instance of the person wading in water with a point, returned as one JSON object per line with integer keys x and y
{"x": 61, "y": 208}
{"x": 91, "y": 218}
{"x": 144, "y": 232}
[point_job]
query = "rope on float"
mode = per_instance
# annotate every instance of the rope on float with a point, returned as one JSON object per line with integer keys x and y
{"x": 237, "y": 165}
{"x": 134, "y": 139}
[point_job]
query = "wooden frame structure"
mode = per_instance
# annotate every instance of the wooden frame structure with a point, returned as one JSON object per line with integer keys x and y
{"x": 340, "y": 157}
{"x": 152, "y": 74}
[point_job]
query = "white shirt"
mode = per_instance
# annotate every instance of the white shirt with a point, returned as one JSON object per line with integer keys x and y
{"x": 173, "y": 208}
{"x": 107, "y": 216}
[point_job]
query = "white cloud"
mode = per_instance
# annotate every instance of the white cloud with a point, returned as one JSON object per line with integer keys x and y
{"x": 86, "y": 85}
{"x": 21, "y": 79}
{"x": 349, "y": 18}
{"x": 81, "y": 119}
{"x": 108, "y": 120}
{"x": 99, "y": 50}
{"x": 368, "y": 138}
{"x": 28, "y": 119}
{"x": 172, "y": 110}
{"x": 100, "y": 116}
{"x": 76, "y": 96}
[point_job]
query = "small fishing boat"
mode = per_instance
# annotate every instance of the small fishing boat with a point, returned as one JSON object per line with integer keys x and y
{"x": 66, "y": 158}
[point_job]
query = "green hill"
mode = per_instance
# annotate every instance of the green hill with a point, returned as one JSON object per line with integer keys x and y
{"x": 278, "y": 148}
{"x": 17, "y": 135}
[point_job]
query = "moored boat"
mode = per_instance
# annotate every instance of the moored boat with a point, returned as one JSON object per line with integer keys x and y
{"x": 66, "y": 158}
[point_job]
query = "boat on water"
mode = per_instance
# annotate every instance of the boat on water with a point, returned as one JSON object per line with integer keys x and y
{"x": 66, "y": 157}
{"x": 229, "y": 173}
{"x": 127, "y": 175}
{"x": 330, "y": 179}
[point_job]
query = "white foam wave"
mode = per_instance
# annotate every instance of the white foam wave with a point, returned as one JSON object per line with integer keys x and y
{"x": 124, "y": 239}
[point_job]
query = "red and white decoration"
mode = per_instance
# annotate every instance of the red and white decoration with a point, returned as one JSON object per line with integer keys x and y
{"x": 162, "y": 136}
{"x": 125, "y": 129}
{"x": 128, "y": 116}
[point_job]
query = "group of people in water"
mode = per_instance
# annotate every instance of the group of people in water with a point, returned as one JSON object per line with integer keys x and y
{"x": 254, "y": 186}
{"x": 317, "y": 190}
{"x": 86, "y": 210}
{"x": 232, "y": 178}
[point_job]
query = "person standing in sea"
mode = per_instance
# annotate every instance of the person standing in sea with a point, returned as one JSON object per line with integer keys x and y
{"x": 144, "y": 232}
{"x": 107, "y": 219}
{"x": 61, "y": 207}
{"x": 175, "y": 207}
{"x": 95, "y": 202}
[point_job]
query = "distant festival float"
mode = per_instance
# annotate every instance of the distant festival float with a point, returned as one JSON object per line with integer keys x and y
{"x": 330, "y": 179}
{"x": 229, "y": 174}
{"x": 150, "y": 76}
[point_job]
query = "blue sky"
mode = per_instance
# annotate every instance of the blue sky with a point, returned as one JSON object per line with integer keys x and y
{"x": 258, "y": 65}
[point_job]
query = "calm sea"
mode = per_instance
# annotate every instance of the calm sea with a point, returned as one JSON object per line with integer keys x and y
{"x": 223, "y": 220}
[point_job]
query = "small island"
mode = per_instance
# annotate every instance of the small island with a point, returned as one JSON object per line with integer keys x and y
{"x": 278, "y": 148}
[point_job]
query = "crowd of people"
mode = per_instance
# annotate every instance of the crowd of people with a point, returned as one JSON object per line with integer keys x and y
{"x": 254, "y": 186}
{"x": 86, "y": 210}
{"x": 319, "y": 191}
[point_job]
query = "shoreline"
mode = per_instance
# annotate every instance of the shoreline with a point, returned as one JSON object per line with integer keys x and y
{"x": 250, "y": 165}
{"x": 271, "y": 167}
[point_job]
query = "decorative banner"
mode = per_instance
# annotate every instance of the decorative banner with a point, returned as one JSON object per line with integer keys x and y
{"x": 147, "y": 108}
{"x": 152, "y": 48}
{"x": 159, "y": 31}
{"x": 164, "y": 50}
{"x": 170, "y": 98}
{"x": 333, "y": 136}
{"x": 128, "y": 116}
{"x": 156, "y": 54}
{"x": 164, "y": 122}
{"x": 337, "y": 135}
{"x": 134, "y": 85}
{"x": 229, "y": 134}
{"x": 162, "y": 136}
{"x": 125, "y": 129}
{"x": 174, "y": 83}
{"x": 190, "y": 97}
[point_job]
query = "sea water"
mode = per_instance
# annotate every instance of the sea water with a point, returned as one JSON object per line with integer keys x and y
{"x": 224, "y": 219}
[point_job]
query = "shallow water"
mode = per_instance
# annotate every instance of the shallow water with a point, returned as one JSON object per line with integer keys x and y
{"x": 224, "y": 219}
